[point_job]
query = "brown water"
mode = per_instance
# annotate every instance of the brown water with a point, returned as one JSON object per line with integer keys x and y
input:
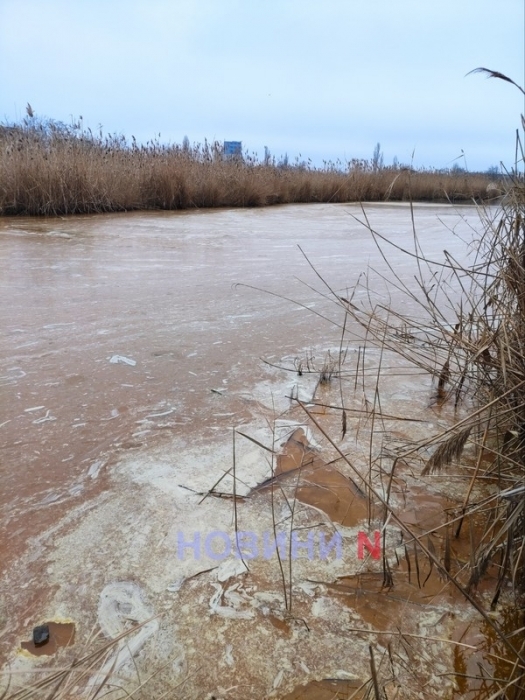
{"x": 128, "y": 353}
{"x": 61, "y": 634}
{"x": 156, "y": 289}
{"x": 159, "y": 289}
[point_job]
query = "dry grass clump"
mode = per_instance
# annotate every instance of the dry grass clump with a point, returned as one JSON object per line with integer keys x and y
{"x": 48, "y": 168}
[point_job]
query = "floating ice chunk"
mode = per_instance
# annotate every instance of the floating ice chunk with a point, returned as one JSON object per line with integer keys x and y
{"x": 278, "y": 679}
{"x": 228, "y": 656}
{"x": 342, "y": 675}
{"x": 215, "y": 600}
{"x": 50, "y": 498}
{"x": 120, "y": 604}
{"x": 47, "y": 417}
{"x": 307, "y": 587}
{"x": 230, "y": 611}
{"x": 236, "y": 597}
{"x": 120, "y": 359}
{"x": 233, "y": 614}
{"x": 230, "y": 568}
{"x": 159, "y": 415}
{"x": 176, "y": 585}
{"x": 95, "y": 468}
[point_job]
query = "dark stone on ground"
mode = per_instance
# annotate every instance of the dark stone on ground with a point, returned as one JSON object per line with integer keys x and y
{"x": 41, "y": 635}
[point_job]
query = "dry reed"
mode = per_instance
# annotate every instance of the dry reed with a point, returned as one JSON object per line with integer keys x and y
{"x": 470, "y": 337}
{"x": 48, "y": 168}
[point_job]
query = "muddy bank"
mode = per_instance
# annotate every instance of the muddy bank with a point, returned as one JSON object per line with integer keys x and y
{"x": 161, "y": 542}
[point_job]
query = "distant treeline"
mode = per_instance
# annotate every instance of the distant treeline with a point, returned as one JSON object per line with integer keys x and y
{"x": 49, "y": 168}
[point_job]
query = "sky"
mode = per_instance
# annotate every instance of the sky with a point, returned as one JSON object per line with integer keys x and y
{"x": 324, "y": 80}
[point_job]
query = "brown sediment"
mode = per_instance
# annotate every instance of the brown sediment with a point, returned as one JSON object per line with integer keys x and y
{"x": 61, "y": 634}
{"x": 491, "y": 655}
{"x": 365, "y": 594}
{"x": 326, "y": 690}
{"x": 281, "y": 625}
{"x": 297, "y": 453}
{"x": 416, "y": 585}
{"x": 320, "y": 485}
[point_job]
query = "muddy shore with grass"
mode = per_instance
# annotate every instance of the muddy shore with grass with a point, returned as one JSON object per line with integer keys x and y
{"x": 159, "y": 403}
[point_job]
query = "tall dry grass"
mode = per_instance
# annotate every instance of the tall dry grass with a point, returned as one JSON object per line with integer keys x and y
{"x": 47, "y": 168}
{"x": 466, "y": 328}
{"x": 470, "y": 336}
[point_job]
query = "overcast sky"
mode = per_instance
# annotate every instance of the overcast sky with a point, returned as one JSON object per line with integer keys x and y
{"x": 326, "y": 79}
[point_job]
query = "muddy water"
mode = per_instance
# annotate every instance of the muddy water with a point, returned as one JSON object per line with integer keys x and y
{"x": 61, "y": 634}
{"x": 128, "y": 352}
{"x": 158, "y": 290}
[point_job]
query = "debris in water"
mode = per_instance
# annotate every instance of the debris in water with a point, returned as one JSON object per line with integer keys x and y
{"x": 41, "y": 635}
{"x": 49, "y": 637}
{"x": 44, "y": 419}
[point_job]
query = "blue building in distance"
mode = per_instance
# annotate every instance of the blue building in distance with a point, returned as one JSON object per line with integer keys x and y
{"x": 233, "y": 149}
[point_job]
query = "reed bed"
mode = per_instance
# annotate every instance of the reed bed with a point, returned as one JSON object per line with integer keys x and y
{"x": 468, "y": 334}
{"x": 470, "y": 337}
{"x": 48, "y": 168}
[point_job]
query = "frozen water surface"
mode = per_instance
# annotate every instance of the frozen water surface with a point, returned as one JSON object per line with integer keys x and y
{"x": 130, "y": 347}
